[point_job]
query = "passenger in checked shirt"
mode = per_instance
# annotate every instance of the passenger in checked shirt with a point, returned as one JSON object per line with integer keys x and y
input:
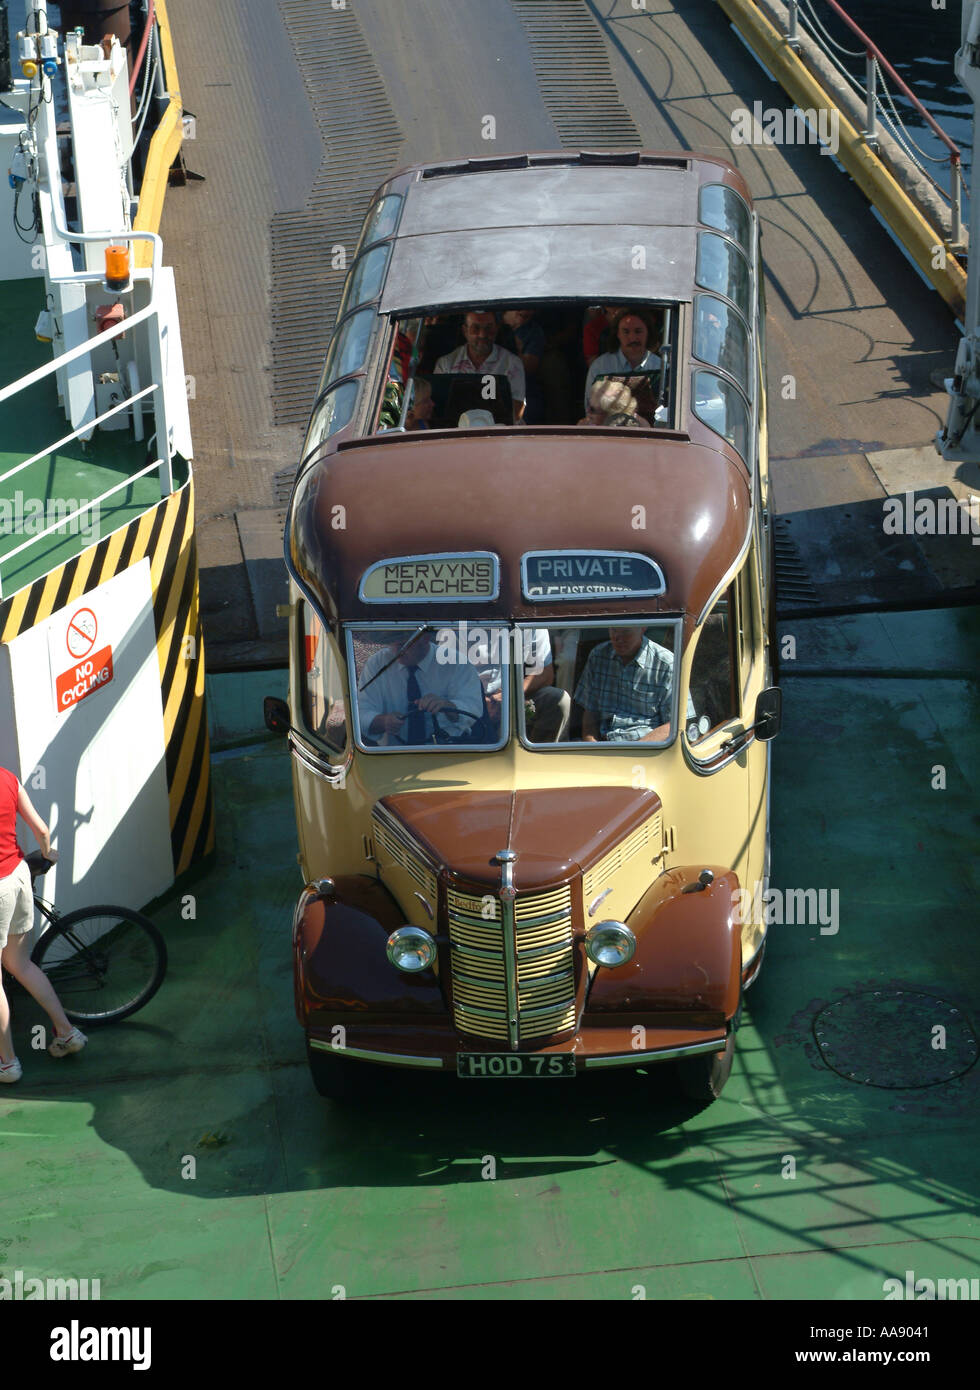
{"x": 626, "y": 689}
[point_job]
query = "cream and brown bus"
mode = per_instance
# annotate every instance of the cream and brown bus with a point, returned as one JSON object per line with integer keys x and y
{"x": 531, "y": 595}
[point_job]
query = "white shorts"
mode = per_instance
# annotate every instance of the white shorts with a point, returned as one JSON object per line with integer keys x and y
{"x": 16, "y": 903}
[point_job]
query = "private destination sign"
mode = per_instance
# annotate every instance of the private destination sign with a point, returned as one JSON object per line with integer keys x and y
{"x": 469, "y": 578}
{"x": 583, "y": 574}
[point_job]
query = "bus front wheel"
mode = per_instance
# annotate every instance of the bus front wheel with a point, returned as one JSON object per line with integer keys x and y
{"x": 703, "y": 1077}
{"x": 333, "y": 1076}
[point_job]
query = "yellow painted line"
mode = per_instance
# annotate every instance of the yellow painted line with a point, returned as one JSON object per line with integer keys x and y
{"x": 145, "y": 527}
{"x": 162, "y": 153}
{"x": 15, "y": 617}
{"x": 164, "y": 146}
{"x": 920, "y": 238}
{"x": 183, "y": 766}
{"x": 114, "y": 552}
{"x": 197, "y": 815}
{"x": 160, "y": 554}
{"x": 172, "y": 629}
{"x": 201, "y": 795}
{"x": 170, "y": 80}
{"x": 48, "y": 594}
{"x": 178, "y": 685}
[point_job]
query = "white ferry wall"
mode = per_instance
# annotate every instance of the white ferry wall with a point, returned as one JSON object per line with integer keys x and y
{"x": 126, "y": 771}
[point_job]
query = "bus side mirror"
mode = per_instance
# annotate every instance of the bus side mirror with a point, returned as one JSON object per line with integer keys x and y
{"x": 768, "y": 713}
{"x": 276, "y": 714}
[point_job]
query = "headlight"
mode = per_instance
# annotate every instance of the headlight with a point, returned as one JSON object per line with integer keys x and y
{"x": 610, "y": 943}
{"x": 411, "y": 949}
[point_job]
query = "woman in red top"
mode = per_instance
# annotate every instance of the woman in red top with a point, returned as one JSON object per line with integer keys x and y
{"x": 16, "y": 921}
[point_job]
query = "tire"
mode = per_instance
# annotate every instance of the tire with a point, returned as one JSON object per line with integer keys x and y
{"x": 104, "y": 962}
{"x": 333, "y": 1076}
{"x": 703, "y": 1077}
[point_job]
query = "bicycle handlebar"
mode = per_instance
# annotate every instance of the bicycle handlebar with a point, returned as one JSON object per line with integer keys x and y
{"x": 38, "y": 863}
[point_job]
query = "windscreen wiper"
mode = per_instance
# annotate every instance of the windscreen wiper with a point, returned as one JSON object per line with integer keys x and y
{"x": 426, "y": 627}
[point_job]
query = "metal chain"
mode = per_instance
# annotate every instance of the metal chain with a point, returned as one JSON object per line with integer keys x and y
{"x": 894, "y": 122}
{"x": 851, "y": 52}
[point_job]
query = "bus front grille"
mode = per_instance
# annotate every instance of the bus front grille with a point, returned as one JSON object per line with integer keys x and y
{"x": 545, "y": 981}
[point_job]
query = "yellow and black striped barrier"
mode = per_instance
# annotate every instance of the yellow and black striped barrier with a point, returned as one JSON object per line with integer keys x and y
{"x": 164, "y": 534}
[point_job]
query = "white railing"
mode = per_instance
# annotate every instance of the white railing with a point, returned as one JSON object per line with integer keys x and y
{"x": 149, "y": 315}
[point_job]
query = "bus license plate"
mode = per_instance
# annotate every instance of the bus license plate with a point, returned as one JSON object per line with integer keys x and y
{"x": 484, "y": 1064}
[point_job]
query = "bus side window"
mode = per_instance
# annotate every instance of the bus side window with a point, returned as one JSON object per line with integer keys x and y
{"x": 714, "y": 686}
{"x": 324, "y": 709}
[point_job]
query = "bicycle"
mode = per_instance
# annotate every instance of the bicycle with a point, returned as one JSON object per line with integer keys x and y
{"x": 80, "y": 950}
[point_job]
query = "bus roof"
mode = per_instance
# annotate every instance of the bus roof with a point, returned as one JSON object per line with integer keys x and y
{"x": 684, "y": 505}
{"x": 548, "y": 227}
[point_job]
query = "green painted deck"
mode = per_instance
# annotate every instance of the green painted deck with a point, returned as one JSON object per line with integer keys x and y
{"x": 601, "y": 1184}
{"x": 77, "y": 473}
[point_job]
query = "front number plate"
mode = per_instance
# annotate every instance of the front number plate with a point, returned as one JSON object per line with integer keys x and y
{"x": 513, "y": 1064}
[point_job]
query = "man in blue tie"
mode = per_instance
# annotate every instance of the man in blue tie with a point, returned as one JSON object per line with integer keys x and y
{"x": 406, "y": 696}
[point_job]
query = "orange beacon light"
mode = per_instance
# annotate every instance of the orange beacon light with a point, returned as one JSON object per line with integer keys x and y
{"x": 117, "y": 268}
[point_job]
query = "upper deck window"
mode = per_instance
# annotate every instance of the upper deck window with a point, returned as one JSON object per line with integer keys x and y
{"x": 331, "y": 413}
{"x": 381, "y": 221}
{"x": 720, "y": 206}
{"x": 721, "y": 338}
{"x": 365, "y": 280}
{"x": 722, "y": 268}
{"x": 542, "y": 359}
{"x": 348, "y": 347}
{"x": 721, "y": 406}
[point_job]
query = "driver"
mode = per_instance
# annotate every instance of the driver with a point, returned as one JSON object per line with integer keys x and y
{"x": 416, "y": 698}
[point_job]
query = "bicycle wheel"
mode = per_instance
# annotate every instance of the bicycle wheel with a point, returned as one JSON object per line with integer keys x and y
{"x": 104, "y": 962}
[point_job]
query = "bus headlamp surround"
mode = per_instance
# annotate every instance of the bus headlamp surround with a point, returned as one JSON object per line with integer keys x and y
{"x": 610, "y": 944}
{"x": 411, "y": 949}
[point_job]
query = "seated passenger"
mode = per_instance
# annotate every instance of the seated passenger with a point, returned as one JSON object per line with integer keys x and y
{"x": 476, "y": 420}
{"x": 634, "y": 334}
{"x": 401, "y": 357}
{"x": 480, "y": 354}
{"x": 420, "y": 411}
{"x": 406, "y": 696}
{"x": 611, "y": 403}
{"x": 597, "y": 334}
{"x": 521, "y": 333}
{"x": 547, "y": 709}
{"x": 625, "y": 689}
{"x": 441, "y": 332}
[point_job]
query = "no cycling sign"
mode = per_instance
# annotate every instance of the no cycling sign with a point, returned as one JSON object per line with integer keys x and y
{"x": 91, "y": 669}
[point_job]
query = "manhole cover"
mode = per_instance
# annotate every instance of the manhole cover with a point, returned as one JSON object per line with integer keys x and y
{"x": 892, "y": 1039}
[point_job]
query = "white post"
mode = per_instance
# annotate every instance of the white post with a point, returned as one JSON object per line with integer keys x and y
{"x": 793, "y": 24}
{"x": 871, "y": 133}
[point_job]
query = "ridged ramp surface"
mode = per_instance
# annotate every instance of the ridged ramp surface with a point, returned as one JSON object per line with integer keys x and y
{"x": 574, "y": 76}
{"x": 361, "y": 138}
